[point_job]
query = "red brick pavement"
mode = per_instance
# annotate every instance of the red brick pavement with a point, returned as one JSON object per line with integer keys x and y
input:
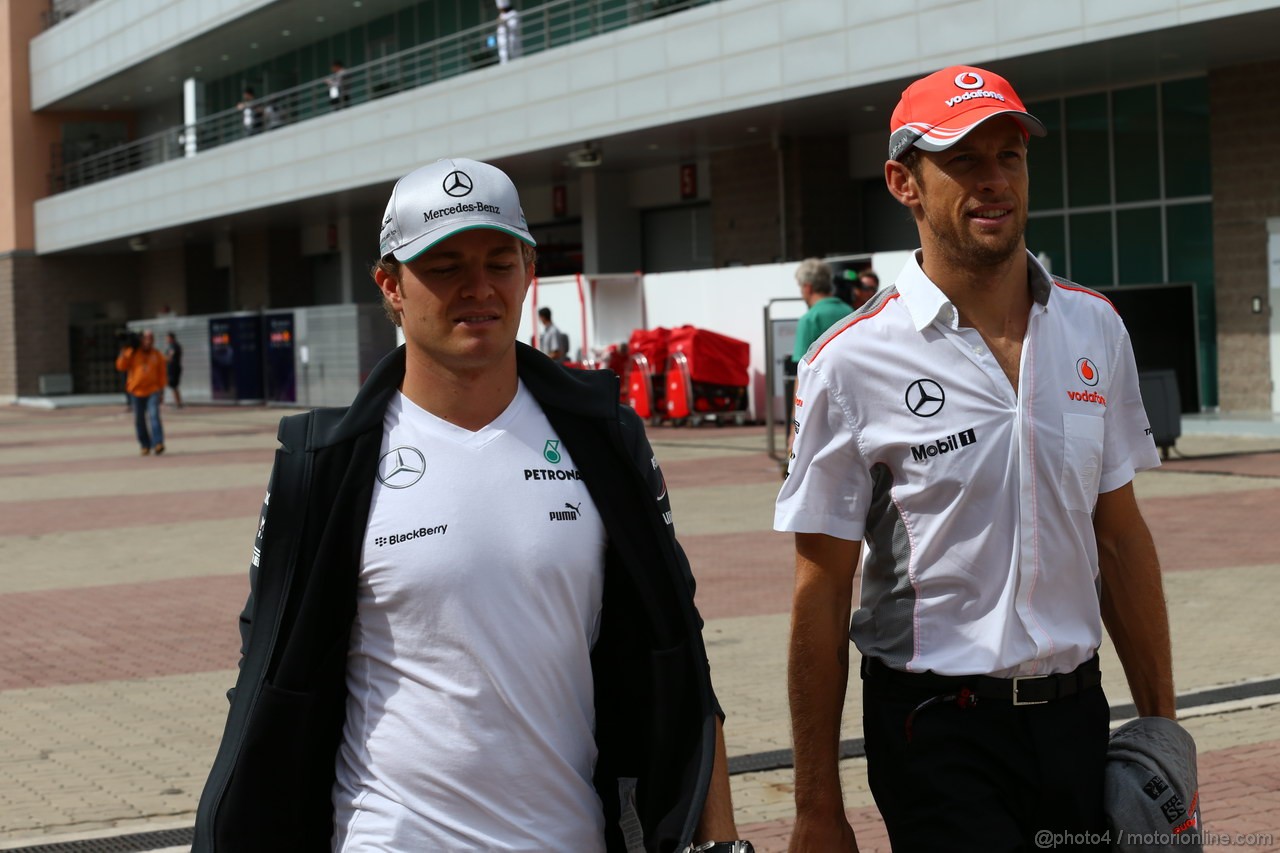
{"x": 722, "y": 471}
{"x": 1239, "y": 794}
{"x": 63, "y": 515}
{"x": 741, "y": 574}
{"x": 133, "y": 462}
{"x": 1215, "y": 530}
{"x": 122, "y": 631}
{"x": 1247, "y": 464}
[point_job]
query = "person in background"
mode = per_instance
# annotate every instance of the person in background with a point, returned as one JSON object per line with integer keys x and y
{"x": 865, "y": 288}
{"x": 551, "y": 340}
{"x": 978, "y": 425}
{"x": 250, "y": 113}
{"x": 470, "y": 624}
{"x": 818, "y": 292}
{"x": 510, "y": 45}
{"x": 337, "y": 85}
{"x": 173, "y": 356}
{"x": 144, "y": 369}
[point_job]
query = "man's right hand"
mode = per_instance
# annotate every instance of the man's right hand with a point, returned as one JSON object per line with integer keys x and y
{"x": 820, "y": 835}
{"x": 817, "y": 674}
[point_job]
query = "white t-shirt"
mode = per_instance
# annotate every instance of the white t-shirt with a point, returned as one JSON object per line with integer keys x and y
{"x": 973, "y": 499}
{"x": 470, "y": 716}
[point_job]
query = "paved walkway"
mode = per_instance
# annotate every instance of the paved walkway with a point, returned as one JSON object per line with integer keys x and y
{"x": 123, "y": 575}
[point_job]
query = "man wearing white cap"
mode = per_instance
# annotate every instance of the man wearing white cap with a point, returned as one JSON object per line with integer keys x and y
{"x": 978, "y": 425}
{"x": 470, "y": 624}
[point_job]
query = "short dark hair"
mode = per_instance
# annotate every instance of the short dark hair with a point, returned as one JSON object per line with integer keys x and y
{"x": 911, "y": 160}
{"x": 544, "y": 313}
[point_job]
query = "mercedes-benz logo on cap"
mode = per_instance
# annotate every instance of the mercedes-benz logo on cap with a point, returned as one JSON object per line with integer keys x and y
{"x": 401, "y": 467}
{"x": 925, "y": 398}
{"x": 969, "y": 80}
{"x": 457, "y": 184}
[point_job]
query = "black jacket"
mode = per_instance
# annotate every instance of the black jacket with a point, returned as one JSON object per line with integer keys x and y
{"x": 271, "y": 784}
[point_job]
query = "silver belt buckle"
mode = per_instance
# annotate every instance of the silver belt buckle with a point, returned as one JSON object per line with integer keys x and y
{"x": 1017, "y": 682}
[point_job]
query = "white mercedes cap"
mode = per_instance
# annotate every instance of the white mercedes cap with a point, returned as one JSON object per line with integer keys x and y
{"x": 449, "y": 196}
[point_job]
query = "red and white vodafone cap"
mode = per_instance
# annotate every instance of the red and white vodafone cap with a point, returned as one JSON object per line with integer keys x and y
{"x": 937, "y": 111}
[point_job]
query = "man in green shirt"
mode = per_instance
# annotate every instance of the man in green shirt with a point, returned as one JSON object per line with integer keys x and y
{"x": 814, "y": 277}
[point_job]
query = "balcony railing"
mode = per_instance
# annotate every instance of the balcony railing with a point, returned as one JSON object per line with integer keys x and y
{"x": 60, "y": 10}
{"x": 551, "y": 25}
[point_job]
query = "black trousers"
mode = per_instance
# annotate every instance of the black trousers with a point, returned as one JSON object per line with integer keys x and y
{"x": 989, "y": 777}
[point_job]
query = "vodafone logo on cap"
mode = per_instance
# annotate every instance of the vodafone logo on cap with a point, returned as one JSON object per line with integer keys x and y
{"x": 969, "y": 80}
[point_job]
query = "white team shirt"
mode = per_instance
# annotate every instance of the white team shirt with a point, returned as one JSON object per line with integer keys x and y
{"x": 974, "y": 501}
{"x": 470, "y": 716}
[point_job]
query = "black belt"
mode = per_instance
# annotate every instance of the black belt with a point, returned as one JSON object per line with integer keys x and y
{"x": 1019, "y": 690}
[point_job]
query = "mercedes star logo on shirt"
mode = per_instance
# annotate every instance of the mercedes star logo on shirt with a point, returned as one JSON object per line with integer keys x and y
{"x": 457, "y": 184}
{"x": 401, "y": 467}
{"x": 925, "y": 398}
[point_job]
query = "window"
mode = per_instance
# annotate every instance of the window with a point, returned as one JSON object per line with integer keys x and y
{"x": 1088, "y": 158}
{"x": 1186, "y": 137}
{"x": 1137, "y": 144}
{"x": 1136, "y": 208}
{"x": 1139, "y": 246}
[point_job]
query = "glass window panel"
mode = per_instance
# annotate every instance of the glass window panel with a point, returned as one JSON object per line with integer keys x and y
{"x": 1137, "y": 149}
{"x": 1139, "y": 250}
{"x": 406, "y": 28}
{"x": 1191, "y": 259}
{"x": 1186, "y": 137}
{"x": 380, "y": 29}
{"x": 1191, "y": 245}
{"x": 355, "y": 47}
{"x": 447, "y": 17}
{"x": 426, "y": 22}
{"x": 1088, "y": 161}
{"x": 307, "y": 60}
{"x": 1046, "y": 235}
{"x": 1044, "y": 158}
{"x": 471, "y": 16}
{"x": 284, "y": 71}
{"x": 338, "y": 50}
{"x": 1091, "y": 249}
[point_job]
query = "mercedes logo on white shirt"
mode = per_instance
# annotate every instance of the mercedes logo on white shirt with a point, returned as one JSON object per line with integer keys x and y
{"x": 457, "y": 184}
{"x": 925, "y": 398}
{"x": 401, "y": 467}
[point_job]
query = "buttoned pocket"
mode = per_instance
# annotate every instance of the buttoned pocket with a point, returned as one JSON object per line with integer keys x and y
{"x": 1081, "y": 460}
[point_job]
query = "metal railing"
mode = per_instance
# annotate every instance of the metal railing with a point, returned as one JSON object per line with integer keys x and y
{"x": 551, "y": 25}
{"x": 60, "y": 10}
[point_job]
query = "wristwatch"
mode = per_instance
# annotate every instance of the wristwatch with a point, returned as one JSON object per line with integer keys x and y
{"x": 723, "y": 847}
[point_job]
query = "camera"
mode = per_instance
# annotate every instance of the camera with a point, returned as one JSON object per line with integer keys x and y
{"x": 128, "y": 338}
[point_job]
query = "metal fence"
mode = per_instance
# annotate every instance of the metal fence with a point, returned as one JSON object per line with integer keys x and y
{"x": 60, "y": 10}
{"x": 544, "y": 27}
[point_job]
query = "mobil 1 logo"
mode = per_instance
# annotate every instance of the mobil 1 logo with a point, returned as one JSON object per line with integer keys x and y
{"x": 942, "y": 446}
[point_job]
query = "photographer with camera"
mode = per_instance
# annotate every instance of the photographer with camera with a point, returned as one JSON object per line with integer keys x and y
{"x": 146, "y": 376}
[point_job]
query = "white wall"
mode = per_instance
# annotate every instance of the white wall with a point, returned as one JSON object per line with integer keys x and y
{"x": 730, "y": 301}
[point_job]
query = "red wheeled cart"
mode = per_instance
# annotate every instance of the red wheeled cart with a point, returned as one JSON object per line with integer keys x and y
{"x": 642, "y": 387}
{"x": 706, "y": 377}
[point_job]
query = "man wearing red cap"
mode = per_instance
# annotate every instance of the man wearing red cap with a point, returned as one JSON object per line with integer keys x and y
{"x": 978, "y": 425}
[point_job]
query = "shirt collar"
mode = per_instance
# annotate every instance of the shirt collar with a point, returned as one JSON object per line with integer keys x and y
{"x": 927, "y": 304}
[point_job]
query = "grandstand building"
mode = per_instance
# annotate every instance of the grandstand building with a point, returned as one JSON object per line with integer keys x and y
{"x": 651, "y": 135}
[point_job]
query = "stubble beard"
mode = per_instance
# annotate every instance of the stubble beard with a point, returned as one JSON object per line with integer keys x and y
{"x": 964, "y": 251}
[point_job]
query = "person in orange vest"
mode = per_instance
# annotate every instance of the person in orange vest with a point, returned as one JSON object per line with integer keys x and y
{"x": 146, "y": 375}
